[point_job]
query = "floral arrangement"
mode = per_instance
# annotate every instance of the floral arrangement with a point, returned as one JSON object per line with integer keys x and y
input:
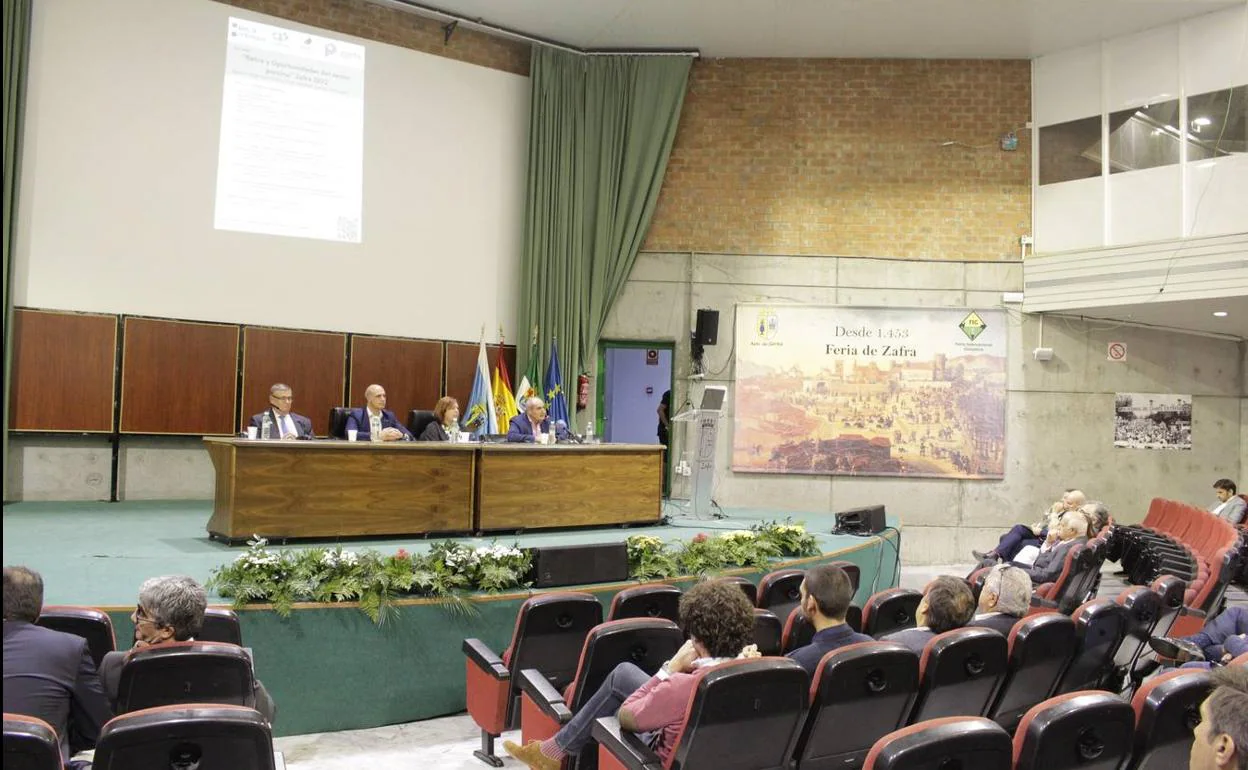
{"x": 447, "y": 572}
{"x": 650, "y": 558}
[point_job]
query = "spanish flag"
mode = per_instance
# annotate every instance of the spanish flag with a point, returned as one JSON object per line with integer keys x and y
{"x": 505, "y": 406}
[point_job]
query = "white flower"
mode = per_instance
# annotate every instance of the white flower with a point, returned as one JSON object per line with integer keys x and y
{"x": 739, "y": 534}
{"x": 349, "y": 558}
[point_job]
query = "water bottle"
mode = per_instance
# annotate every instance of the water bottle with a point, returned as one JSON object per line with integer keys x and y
{"x": 266, "y": 425}
{"x": 589, "y": 432}
{"x": 550, "y": 435}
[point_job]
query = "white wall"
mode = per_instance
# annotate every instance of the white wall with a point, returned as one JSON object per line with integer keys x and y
{"x": 119, "y": 172}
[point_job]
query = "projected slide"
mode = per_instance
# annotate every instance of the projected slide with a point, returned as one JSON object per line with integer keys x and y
{"x": 292, "y": 134}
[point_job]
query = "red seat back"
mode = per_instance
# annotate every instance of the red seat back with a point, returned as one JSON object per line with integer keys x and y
{"x": 798, "y": 632}
{"x": 952, "y": 742}
{"x": 890, "y": 610}
{"x": 653, "y": 600}
{"x": 1089, "y": 730}
{"x": 1167, "y": 710}
{"x": 780, "y": 591}
{"x": 1099, "y": 627}
{"x": 30, "y": 744}
{"x": 1040, "y": 648}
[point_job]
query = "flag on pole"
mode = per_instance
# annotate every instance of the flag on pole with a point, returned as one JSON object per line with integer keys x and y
{"x": 529, "y": 382}
{"x": 479, "y": 417}
{"x": 556, "y": 400}
{"x": 504, "y": 402}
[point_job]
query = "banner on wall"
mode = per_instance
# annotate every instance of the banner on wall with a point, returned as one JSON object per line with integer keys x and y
{"x": 869, "y": 391}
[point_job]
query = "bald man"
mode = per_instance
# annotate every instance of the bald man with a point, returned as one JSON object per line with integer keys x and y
{"x": 1022, "y": 535}
{"x": 374, "y": 422}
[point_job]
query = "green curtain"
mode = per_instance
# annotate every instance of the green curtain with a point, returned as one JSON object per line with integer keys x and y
{"x": 16, "y": 47}
{"x": 600, "y": 133}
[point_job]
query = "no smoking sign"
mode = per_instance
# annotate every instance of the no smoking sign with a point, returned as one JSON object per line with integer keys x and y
{"x": 1117, "y": 351}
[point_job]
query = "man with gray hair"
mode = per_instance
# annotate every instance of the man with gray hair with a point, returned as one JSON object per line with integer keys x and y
{"x": 170, "y": 609}
{"x": 526, "y": 428}
{"x": 1004, "y": 599}
{"x": 1022, "y": 535}
{"x": 284, "y": 424}
{"x": 1098, "y": 516}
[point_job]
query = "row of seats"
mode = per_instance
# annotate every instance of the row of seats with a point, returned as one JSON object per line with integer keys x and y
{"x": 94, "y": 625}
{"x": 203, "y": 736}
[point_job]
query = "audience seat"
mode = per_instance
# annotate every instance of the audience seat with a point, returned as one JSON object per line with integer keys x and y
{"x": 852, "y": 571}
{"x": 91, "y": 624}
{"x": 853, "y": 617}
{"x": 768, "y": 632}
{"x": 338, "y": 422}
{"x": 890, "y": 610}
{"x": 185, "y": 672}
{"x": 1143, "y": 607}
{"x": 743, "y": 715}
{"x": 780, "y": 591}
{"x": 798, "y": 631}
{"x": 1099, "y": 627}
{"x": 418, "y": 420}
{"x": 960, "y": 672}
{"x": 1039, "y": 651}
{"x": 860, "y": 693}
{"x": 198, "y": 736}
{"x": 221, "y": 625}
{"x": 751, "y": 590}
{"x": 30, "y": 744}
{"x": 652, "y": 600}
{"x": 644, "y": 642}
{"x": 1167, "y": 710}
{"x": 1090, "y": 730}
{"x": 549, "y": 634}
{"x": 952, "y": 743}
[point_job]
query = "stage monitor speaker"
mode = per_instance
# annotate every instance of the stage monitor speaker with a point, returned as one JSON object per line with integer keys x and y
{"x": 707, "y": 330}
{"x": 861, "y": 521}
{"x": 571, "y": 565}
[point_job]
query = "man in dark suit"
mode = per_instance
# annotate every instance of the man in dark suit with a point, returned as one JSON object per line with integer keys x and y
{"x": 375, "y": 422}
{"x": 49, "y": 674}
{"x": 170, "y": 609}
{"x": 285, "y": 423}
{"x": 1072, "y": 530}
{"x": 947, "y": 604}
{"x": 525, "y": 428}
{"x": 1004, "y": 600}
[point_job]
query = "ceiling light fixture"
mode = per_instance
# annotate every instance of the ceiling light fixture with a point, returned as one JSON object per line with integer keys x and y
{"x": 1220, "y": 314}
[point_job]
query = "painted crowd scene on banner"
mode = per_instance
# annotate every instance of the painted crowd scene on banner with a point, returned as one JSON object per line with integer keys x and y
{"x": 870, "y": 391}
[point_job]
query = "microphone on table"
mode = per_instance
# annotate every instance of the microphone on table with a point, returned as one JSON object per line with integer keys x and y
{"x": 561, "y": 425}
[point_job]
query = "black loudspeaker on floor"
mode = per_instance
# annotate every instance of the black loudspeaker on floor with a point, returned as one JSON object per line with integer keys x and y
{"x": 570, "y": 565}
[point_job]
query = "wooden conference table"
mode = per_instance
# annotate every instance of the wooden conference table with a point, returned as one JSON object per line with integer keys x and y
{"x": 281, "y": 489}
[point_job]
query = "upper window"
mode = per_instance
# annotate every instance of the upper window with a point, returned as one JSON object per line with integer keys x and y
{"x": 1070, "y": 150}
{"x": 1217, "y": 123}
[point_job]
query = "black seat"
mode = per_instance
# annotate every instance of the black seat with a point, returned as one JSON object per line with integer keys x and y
{"x": 952, "y": 743}
{"x": 418, "y": 420}
{"x": 1089, "y": 730}
{"x": 200, "y": 736}
{"x": 1167, "y": 710}
{"x": 1099, "y": 627}
{"x": 890, "y": 610}
{"x": 743, "y": 715}
{"x": 768, "y": 632}
{"x": 852, "y": 571}
{"x": 185, "y": 672}
{"x": 780, "y": 591}
{"x": 960, "y": 672}
{"x": 750, "y": 589}
{"x": 1143, "y": 606}
{"x": 860, "y": 693}
{"x": 30, "y": 744}
{"x": 654, "y": 600}
{"x": 221, "y": 625}
{"x": 338, "y": 421}
{"x": 91, "y": 624}
{"x": 1040, "y": 648}
{"x": 798, "y": 631}
{"x": 644, "y": 642}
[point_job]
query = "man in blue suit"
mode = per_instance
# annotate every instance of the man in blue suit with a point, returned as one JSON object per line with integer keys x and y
{"x": 375, "y": 422}
{"x": 49, "y": 674}
{"x": 525, "y": 428}
{"x": 285, "y": 423}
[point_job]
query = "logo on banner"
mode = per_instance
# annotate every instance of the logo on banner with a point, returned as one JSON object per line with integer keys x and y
{"x": 972, "y": 326}
{"x": 767, "y": 325}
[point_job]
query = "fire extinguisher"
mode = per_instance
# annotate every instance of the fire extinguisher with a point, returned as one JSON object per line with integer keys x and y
{"x": 582, "y": 392}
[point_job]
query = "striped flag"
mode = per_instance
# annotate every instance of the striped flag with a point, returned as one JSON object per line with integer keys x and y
{"x": 479, "y": 418}
{"x": 504, "y": 402}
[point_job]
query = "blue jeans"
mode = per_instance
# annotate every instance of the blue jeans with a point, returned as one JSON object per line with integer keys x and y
{"x": 624, "y": 680}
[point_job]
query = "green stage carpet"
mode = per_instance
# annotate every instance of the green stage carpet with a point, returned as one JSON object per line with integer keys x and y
{"x": 328, "y": 667}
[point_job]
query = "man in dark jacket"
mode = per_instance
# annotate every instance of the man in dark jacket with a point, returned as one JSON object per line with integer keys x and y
{"x": 49, "y": 674}
{"x": 1072, "y": 530}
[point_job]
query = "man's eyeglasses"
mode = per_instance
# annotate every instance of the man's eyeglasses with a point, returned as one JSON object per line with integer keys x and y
{"x": 141, "y": 616}
{"x": 282, "y": 398}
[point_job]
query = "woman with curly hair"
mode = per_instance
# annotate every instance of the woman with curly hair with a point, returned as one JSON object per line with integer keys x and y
{"x": 719, "y": 622}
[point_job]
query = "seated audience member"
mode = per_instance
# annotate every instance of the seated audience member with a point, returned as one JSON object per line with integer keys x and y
{"x": 1004, "y": 599}
{"x": 947, "y": 603}
{"x": 445, "y": 421}
{"x": 1098, "y": 516}
{"x": 1071, "y": 530}
{"x": 1223, "y": 639}
{"x": 1221, "y": 739}
{"x": 719, "y": 621}
{"x": 286, "y": 424}
{"x": 375, "y": 422}
{"x": 1021, "y": 535}
{"x": 1230, "y": 506}
{"x": 170, "y": 609}
{"x": 826, "y": 593}
{"x": 526, "y": 427}
{"x": 49, "y": 674}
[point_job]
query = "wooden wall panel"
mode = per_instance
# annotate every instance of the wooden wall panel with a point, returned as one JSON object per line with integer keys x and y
{"x": 313, "y": 364}
{"x": 409, "y": 370}
{"x": 178, "y": 377}
{"x": 63, "y": 371}
{"x": 461, "y": 366}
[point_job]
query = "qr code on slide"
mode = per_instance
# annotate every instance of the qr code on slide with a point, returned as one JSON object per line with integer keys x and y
{"x": 349, "y": 229}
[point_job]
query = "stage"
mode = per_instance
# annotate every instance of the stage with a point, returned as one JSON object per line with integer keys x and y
{"x": 327, "y": 666}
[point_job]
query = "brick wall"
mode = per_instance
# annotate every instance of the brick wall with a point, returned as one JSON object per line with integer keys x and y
{"x": 843, "y": 157}
{"x": 387, "y": 25}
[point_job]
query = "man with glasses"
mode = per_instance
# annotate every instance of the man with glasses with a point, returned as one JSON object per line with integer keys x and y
{"x": 170, "y": 609}
{"x": 285, "y": 423}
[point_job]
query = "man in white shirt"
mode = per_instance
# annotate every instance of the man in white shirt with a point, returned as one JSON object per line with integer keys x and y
{"x": 284, "y": 424}
{"x": 1231, "y": 507}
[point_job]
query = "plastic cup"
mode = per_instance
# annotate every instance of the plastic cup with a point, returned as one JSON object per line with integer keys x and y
{"x": 252, "y": 431}
{"x": 465, "y": 437}
{"x": 351, "y": 434}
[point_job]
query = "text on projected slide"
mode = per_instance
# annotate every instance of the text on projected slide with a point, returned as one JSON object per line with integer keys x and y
{"x": 292, "y": 134}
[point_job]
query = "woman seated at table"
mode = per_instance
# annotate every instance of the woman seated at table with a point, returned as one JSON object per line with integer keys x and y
{"x": 445, "y": 421}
